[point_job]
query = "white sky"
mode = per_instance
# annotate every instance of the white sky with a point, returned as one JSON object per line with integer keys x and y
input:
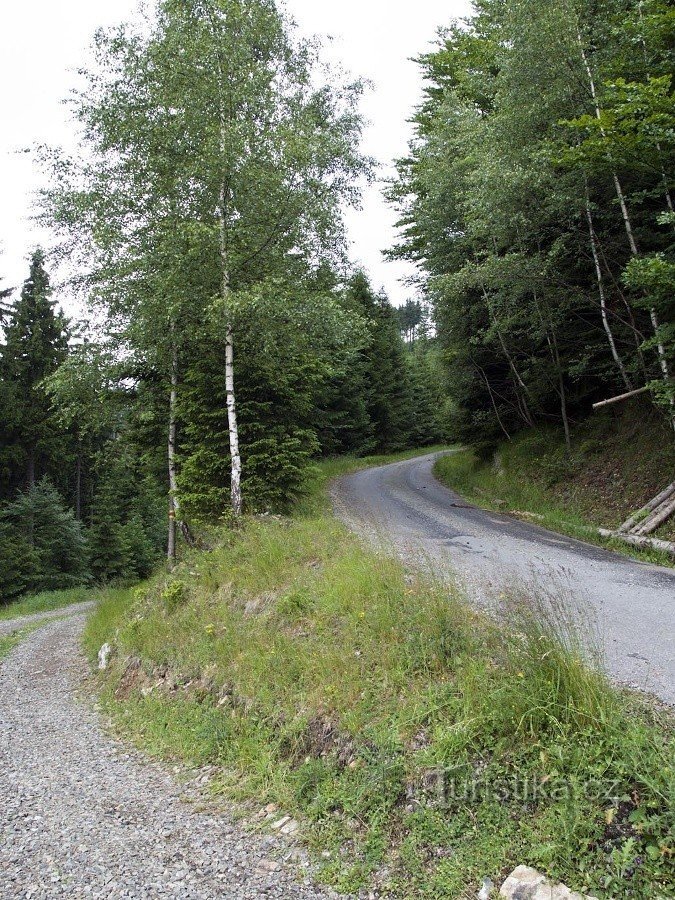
{"x": 45, "y": 41}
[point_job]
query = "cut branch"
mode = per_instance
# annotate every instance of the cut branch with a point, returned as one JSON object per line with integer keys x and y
{"x": 643, "y": 543}
{"x": 661, "y": 514}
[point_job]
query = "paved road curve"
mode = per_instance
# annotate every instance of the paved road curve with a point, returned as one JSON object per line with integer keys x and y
{"x": 633, "y": 604}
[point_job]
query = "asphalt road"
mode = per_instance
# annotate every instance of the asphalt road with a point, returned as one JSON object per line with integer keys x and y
{"x": 628, "y": 607}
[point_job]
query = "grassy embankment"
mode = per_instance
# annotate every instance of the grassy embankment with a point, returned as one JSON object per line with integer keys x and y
{"x": 617, "y": 464}
{"x": 421, "y": 746}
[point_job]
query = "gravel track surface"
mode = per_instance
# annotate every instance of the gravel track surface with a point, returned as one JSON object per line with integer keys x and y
{"x": 82, "y": 816}
{"x": 627, "y": 606}
{"x": 9, "y": 626}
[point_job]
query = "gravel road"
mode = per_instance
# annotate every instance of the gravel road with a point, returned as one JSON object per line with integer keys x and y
{"x": 629, "y": 605}
{"x": 84, "y": 817}
{"x": 9, "y": 626}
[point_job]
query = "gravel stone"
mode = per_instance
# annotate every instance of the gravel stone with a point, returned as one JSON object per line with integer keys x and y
{"x": 83, "y": 816}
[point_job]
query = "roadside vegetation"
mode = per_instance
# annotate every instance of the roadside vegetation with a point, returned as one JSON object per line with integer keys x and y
{"x": 614, "y": 464}
{"x": 422, "y": 746}
{"x": 8, "y": 642}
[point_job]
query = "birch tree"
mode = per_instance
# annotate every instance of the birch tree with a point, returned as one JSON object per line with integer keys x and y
{"x": 531, "y": 201}
{"x": 217, "y": 152}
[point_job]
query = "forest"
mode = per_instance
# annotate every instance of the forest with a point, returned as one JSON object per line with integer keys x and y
{"x": 537, "y": 199}
{"x": 227, "y": 342}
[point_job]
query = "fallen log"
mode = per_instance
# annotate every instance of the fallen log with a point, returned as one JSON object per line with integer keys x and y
{"x": 638, "y": 518}
{"x": 660, "y": 515}
{"x": 644, "y": 543}
{"x": 621, "y": 397}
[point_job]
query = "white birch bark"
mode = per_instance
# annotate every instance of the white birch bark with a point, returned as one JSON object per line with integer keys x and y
{"x": 663, "y": 359}
{"x": 603, "y": 296}
{"x": 171, "y": 456}
{"x": 226, "y": 296}
{"x": 235, "y": 485}
{"x": 235, "y": 456}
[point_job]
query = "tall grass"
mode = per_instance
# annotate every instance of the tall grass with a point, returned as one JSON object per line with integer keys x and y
{"x": 400, "y": 725}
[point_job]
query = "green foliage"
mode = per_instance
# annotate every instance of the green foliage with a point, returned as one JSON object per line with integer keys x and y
{"x": 544, "y": 139}
{"x": 45, "y": 547}
{"x": 385, "y": 381}
{"x": 126, "y": 534}
{"x": 192, "y": 194}
{"x": 35, "y": 342}
{"x": 290, "y": 350}
{"x": 19, "y": 562}
{"x": 174, "y": 595}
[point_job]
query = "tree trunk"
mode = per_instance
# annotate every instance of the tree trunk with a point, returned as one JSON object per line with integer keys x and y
{"x": 78, "y": 484}
{"x": 235, "y": 488}
{"x": 552, "y": 342}
{"x": 235, "y": 456}
{"x": 637, "y": 519}
{"x": 175, "y": 520}
{"x": 494, "y": 403}
{"x": 628, "y": 225}
{"x": 563, "y": 395}
{"x": 171, "y": 456}
{"x": 643, "y": 542}
{"x": 661, "y": 514}
{"x": 603, "y": 296}
{"x": 523, "y": 406}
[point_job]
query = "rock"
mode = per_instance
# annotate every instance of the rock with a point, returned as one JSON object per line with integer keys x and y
{"x": 486, "y": 891}
{"x": 104, "y": 656}
{"x": 290, "y": 827}
{"x": 280, "y": 823}
{"x": 525, "y": 883}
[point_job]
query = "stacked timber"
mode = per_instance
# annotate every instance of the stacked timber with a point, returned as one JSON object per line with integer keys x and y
{"x": 636, "y": 529}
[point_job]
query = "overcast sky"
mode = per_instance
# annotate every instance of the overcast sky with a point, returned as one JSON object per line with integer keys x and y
{"x": 45, "y": 41}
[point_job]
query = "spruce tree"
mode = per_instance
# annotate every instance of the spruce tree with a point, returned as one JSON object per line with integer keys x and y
{"x": 387, "y": 387}
{"x": 36, "y": 343}
{"x": 45, "y": 546}
{"x": 5, "y": 294}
